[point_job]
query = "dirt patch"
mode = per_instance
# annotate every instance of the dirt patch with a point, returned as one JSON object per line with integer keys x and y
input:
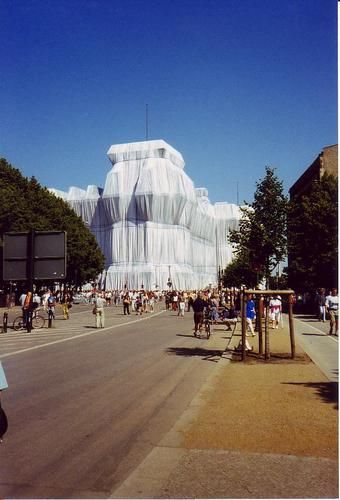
{"x": 277, "y": 357}
{"x": 284, "y": 406}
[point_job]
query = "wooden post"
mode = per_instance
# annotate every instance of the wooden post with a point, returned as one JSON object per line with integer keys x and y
{"x": 266, "y": 332}
{"x": 260, "y": 325}
{"x": 291, "y": 325}
{"x": 244, "y": 325}
{"x": 257, "y": 310}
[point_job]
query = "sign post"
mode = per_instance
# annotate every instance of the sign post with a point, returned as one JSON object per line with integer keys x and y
{"x": 34, "y": 255}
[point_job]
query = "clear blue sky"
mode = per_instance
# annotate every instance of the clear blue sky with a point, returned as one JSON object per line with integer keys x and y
{"x": 234, "y": 85}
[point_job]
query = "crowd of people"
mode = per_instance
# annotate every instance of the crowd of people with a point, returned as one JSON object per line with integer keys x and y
{"x": 47, "y": 300}
{"x": 222, "y": 306}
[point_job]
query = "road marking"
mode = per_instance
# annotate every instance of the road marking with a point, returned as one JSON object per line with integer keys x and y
{"x": 86, "y": 334}
{"x": 317, "y": 330}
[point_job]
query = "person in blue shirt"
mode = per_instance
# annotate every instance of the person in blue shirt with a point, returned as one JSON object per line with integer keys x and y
{"x": 250, "y": 314}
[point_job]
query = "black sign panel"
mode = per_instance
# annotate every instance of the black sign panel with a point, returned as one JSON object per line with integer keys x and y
{"x": 39, "y": 255}
{"x": 15, "y": 256}
{"x": 49, "y": 256}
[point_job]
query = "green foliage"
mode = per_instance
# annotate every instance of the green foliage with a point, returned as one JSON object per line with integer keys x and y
{"x": 26, "y": 205}
{"x": 261, "y": 241}
{"x": 240, "y": 273}
{"x": 313, "y": 237}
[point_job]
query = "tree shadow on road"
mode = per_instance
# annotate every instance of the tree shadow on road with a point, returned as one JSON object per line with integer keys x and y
{"x": 315, "y": 334}
{"x": 327, "y": 391}
{"x": 185, "y": 335}
{"x": 310, "y": 317}
{"x": 206, "y": 354}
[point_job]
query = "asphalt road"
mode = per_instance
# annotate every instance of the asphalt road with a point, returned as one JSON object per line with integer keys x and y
{"x": 86, "y": 405}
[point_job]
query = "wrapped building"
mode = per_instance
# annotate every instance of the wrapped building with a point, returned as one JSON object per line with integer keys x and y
{"x": 152, "y": 224}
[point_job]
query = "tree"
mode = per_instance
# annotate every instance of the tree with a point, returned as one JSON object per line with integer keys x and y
{"x": 26, "y": 205}
{"x": 239, "y": 273}
{"x": 313, "y": 237}
{"x": 261, "y": 241}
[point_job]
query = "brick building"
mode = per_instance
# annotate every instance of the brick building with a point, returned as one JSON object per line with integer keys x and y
{"x": 326, "y": 161}
{"x": 312, "y": 258}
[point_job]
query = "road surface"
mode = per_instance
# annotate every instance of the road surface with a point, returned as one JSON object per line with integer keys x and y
{"x": 86, "y": 405}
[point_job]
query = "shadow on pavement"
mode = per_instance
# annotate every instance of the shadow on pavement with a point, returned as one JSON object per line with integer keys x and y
{"x": 206, "y": 354}
{"x": 327, "y": 391}
{"x": 311, "y": 318}
{"x": 185, "y": 335}
{"x": 316, "y": 334}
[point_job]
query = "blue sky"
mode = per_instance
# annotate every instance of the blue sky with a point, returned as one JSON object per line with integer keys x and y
{"x": 233, "y": 85}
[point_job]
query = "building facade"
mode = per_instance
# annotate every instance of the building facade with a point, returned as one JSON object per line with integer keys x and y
{"x": 325, "y": 162}
{"x": 152, "y": 224}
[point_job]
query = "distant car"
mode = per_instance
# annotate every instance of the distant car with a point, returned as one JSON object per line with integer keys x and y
{"x": 79, "y": 299}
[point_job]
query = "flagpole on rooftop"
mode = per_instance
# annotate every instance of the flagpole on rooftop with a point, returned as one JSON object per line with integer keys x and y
{"x": 146, "y": 122}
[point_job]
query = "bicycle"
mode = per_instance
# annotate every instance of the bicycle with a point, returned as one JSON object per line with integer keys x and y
{"x": 207, "y": 326}
{"x": 37, "y": 322}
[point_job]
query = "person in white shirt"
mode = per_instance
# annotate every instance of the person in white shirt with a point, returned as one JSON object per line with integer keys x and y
{"x": 332, "y": 305}
{"x": 99, "y": 304}
{"x": 36, "y": 300}
{"x": 275, "y": 308}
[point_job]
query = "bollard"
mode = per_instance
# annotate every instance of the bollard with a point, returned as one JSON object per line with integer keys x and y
{"x": 5, "y": 321}
{"x": 29, "y": 322}
{"x": 50, "y": 318}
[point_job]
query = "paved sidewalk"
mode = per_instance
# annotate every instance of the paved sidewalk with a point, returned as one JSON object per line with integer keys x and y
{"x": 257, "y": 430}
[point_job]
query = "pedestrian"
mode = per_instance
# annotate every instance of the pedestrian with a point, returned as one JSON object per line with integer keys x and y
{"x": 190, "y": 301}
{"x": 51, "y": 303}
{"x": 250, "y": 314}
{"x": 332, "y": 305}
{"x": 66, "y": 302}
{"x": 214, "y": 309}
{"x": 229, "y": 317}
{"x": 27, "y": 309}
{"x": 181, "y": 306}
{"x": 320, "y": 300}
{"x": 98, "y": 310}
{"x": 36, "y": 301}
{"x": 139, "y": 305}
{"x": 24, "y": 310}
{"x": 275, "y": 308}
{"x": 126, "y": 304}
{"x": 198, "y": 306}
{"x": 44, "y": 298}
{"x": 151, "y": 296}
{"x": 174, "y": 301}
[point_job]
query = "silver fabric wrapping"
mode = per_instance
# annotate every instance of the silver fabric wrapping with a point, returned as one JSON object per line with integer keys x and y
{"x": 152, "y": 224}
